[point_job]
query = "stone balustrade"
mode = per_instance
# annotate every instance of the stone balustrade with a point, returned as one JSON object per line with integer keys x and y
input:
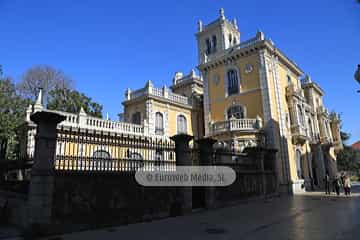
{"x": 166, "y": 93}
{"x": 244, "y": 44}
{"x": 82, "y": 120}
{"x": 245, "y": 124}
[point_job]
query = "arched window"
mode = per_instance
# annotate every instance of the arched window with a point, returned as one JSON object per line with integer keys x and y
{"x": 159, "y": 124}
{"x": 298, "y": 164}
{"x": 181, "y": 124}
{"x": 233, "y": 82}
{"x": 135, "y": 156}
{"x": 101, "y": 154}
{"x": 214, "y": 43}
{"x": 236, "y": 112}
{"x": 136, "y": 118}
{"x": 230, "y": 39}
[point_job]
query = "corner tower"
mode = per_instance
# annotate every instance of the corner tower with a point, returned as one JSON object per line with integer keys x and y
{"x": 216, "y": 37}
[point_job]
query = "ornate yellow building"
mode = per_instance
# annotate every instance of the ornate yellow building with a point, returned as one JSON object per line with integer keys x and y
{"x": 245, "y": 89}
{"x": 252, "y": 85}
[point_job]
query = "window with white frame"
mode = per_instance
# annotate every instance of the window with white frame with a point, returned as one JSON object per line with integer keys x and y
{"x": 233, "y": 82}
{"x": 181, "y": 124}
{"x": 159, "y": 123}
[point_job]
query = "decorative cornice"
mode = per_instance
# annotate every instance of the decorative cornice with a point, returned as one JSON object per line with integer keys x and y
{"x": 251, "y": 47}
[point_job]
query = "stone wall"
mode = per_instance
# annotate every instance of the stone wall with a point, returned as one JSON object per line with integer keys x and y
{"x": 248, "y": 184}
{"x": 13, "y": 208}
{"x": 106, "y": 199}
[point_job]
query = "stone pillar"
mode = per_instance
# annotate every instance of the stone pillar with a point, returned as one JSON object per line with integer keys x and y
{"x": 42, "y": 179}
{"x": 184, "y": 194}
{"x": 270, "y": 164}
{"x": 257, "y": 155}
{"x": 206, "y": 159}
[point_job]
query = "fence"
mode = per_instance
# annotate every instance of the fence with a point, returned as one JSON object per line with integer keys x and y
{"x": 78, "y": 150}
{"x": 91, "y": 178}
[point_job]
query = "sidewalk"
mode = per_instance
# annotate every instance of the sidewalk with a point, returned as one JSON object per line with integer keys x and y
{"x": 308, "y": 216}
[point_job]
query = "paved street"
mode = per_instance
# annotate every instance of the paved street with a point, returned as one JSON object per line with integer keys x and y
{"x": 309, "y": 216}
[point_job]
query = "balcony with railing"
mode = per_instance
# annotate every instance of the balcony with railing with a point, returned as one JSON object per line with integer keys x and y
{"x": 164, "y": 93}
{"x": 299, "y": 133}
{"x": 236, "y": 125}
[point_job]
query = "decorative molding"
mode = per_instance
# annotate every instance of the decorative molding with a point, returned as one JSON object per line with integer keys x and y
{"x": 248, "y": 68}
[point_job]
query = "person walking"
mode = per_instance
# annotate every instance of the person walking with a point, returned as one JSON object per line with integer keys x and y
{"x": 342, "y": 178}
{"x": 327, "y": 184}
{"x": 347, "y": 186}
{"x": 337, "y": 185}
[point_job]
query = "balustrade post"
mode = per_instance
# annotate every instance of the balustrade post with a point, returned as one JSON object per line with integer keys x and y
{"x": 206, "y": 159}
{"x": 184, "y": 194}
{"x": 42, "y": 179}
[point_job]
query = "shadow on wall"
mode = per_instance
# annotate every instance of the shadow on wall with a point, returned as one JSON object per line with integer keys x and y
{"x": 276, "y": 139}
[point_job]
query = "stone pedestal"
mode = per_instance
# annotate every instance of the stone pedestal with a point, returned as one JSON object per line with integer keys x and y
{"x": 184, "y": 194}
{"x": 206, "y": 159}
{"x": 42, "y": 179}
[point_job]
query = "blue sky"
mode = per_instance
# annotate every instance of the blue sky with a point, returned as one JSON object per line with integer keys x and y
{"x": 107, "y": 46}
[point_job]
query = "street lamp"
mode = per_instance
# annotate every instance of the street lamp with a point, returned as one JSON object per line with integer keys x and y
{"x": 357, "y": 75}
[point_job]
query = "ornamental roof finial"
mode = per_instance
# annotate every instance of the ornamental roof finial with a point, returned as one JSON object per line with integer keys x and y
{"x": 38, "y": 106}
{"x": 235, "y": 23}
{"x": 200, "y": 26}
{"x": 222, "y": 14}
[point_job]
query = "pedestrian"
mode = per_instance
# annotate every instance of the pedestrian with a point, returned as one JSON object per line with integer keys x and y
{"x": 327, "y": 184}
{"x": 342, "y": 178}
{"x": 337, "y": 185}
{"x": 347, "y": 186}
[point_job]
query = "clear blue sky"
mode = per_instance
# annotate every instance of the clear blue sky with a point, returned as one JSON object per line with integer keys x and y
{"x": 107, "y": 46}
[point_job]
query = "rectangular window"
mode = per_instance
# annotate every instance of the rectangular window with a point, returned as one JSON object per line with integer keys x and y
{"x": 233, "y": 83}
{"x": 289, "y": 79}
{"x": 136, "y": 118}
{"x": 208, "y": 46}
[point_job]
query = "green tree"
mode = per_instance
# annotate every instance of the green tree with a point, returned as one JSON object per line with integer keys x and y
{"x": 64, "y": 99}
{"x": 346, "y": 158}
{"x": 12, "y": 114}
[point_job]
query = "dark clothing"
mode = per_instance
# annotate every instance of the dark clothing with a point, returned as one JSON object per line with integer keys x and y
{"x": 347, "y": 190}
{"x": 327, "y": 184}
{"x": 337, "y": 186}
